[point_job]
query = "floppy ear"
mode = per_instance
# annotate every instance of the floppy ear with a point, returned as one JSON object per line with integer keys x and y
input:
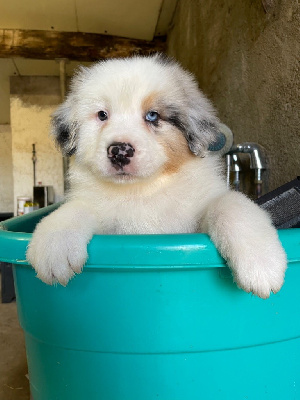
{"x": 201, "y": 123}
{"x": 200, "y": 133}
{"x": 197, "y": 122}
{"x": 63, "y": 129}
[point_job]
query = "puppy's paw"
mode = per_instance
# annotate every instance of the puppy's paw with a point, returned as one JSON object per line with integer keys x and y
{"x": 261, "y": 273}
{"x": 57, "y": 255}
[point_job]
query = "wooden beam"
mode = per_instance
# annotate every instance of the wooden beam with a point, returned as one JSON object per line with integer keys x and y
{"x": 49, "y": 45}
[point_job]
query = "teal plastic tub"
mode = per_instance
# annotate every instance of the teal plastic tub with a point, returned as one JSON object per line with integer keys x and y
{"x": 155, "y": 317}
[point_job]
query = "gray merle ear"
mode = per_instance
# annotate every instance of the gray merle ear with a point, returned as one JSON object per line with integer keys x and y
{"x": 200, "y": 132}
{"x": 197, "y": 123}
{"x": 201, "y": 124}
{"x": 64, "y": 130}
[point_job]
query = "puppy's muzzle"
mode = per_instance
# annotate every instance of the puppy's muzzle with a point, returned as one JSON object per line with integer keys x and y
{"x": 120, "y": 154}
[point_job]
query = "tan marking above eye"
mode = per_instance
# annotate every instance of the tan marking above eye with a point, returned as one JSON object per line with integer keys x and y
{"x": 150, "y": 102}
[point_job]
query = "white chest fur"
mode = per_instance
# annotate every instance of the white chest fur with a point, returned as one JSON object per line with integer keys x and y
{"x": 170, "y": 204}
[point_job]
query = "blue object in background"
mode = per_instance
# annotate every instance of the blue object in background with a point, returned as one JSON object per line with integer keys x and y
{"x": 155, "y": 317}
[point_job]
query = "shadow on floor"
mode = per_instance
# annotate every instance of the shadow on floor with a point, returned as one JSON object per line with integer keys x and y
{"x": 14, "y": 384}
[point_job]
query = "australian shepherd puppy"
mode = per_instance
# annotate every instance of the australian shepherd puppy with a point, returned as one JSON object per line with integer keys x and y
{"x": 139, "y": 129}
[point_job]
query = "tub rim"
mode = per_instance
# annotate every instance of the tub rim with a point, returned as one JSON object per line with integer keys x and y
{"x": 170, "y": 251}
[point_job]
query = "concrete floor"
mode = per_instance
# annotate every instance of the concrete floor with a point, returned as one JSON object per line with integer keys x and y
{"x": 14, "y": 384}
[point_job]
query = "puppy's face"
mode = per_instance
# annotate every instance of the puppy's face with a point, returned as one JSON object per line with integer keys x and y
{"x": 131, "y": 119}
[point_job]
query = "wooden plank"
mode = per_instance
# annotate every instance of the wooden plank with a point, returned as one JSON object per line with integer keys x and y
{"x": 77, "y": 46}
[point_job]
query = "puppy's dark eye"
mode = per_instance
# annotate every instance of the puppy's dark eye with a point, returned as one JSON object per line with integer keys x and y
{"x": 102, "y": 115}
{"x": 152, "y": 116}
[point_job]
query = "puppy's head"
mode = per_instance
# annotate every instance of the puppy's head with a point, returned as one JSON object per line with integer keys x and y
{"x": 129, "y": 119}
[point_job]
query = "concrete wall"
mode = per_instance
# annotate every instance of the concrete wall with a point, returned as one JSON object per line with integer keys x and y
{"x": 6, "y": 176}
{"x": 32, "y": 101}
{"x": 246, "y": 56}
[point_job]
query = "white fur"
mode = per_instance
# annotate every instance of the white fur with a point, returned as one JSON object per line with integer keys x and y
{"x": 150, "y": 198}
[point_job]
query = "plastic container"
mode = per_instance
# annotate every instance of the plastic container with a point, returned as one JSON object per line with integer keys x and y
{"x": 155, "y": 317}
{"x": 21, "y": 201}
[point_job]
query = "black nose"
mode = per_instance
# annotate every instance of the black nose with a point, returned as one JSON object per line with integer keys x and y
{"x": 119, "y": 154}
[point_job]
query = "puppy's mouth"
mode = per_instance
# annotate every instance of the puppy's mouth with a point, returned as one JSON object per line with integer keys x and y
{"x": 123, "y": 174}
{"x": 122, "y": 177}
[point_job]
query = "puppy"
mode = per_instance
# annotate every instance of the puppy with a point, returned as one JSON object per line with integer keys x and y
{"x": 140, "y": 129}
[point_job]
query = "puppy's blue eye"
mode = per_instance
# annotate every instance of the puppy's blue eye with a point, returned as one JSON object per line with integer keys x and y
{"x": 102, "y": 115}
{"x": 152, "y": 116}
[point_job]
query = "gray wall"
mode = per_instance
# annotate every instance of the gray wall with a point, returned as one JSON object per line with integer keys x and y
{"x": 32, "y": 101}
{"x": 6, "y": 171}
{"x": 246, "y": 57}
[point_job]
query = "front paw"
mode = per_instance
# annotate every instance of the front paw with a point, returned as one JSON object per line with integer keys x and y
{"x": 261, "y": 273}
{"x": 57, "y": 255}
